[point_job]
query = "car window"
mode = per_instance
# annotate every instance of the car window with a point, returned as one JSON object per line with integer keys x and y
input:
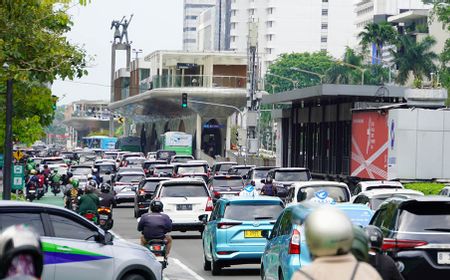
{"x": 291, "y": 175}
{"x": 227, "y": 182}
{"x": 67, "y": 228}
{"x": 183, "y": 191}
{"x": 260, "y": 173}
{"x": 191, "y": 169}
{"x": 215, "y": 212}
{"x": 276, "y": 227}
{"x": 339, "y": 194}
{"x": 286, "y": 224}
{"x": 362, "y": 199}
{"x": 290, "y": 196}
{"x": 225, "y": 166}
{"x": 428, "y": 217}
{"x": 357, "y": 190}
{"x": 251, "y": 212}
{"x": 129, "y": 178}
{"x": 31, "y": 219}
{"x": 379, "y": 217}
{"x": 150, "y": 186}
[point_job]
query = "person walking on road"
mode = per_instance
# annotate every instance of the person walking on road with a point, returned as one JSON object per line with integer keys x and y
{"x": 329, "y": 235}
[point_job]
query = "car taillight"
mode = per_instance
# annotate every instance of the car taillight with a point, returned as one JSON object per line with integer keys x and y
{"x": 226, "y": 225}
{"x": 389, "y": 244}
{"x": 146, "y": 171}
{"x": 209, "y": 205}
{"x": 103, "y": 210}
{"x": 141, "y": 192}
{"x": 216, "y": 194}
{"x": 294, "y": 245}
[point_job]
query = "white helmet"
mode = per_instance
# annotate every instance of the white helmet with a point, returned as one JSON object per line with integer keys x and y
{"x": 328, "y": 232}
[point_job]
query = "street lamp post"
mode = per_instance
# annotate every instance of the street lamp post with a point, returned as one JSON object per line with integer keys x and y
{"x": 309, "y": 72}
{"x": 7, "y": 168}
{"x": 363, "y": 70}
{"x": 294, "y": 82}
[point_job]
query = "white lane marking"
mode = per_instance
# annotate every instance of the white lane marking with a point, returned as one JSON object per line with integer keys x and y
{"x": 187, "y": 269}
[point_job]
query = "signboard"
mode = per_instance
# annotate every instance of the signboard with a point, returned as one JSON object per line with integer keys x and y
{"x": 18, "y": 155}
{"x": 206, "y": 125}
{"x": 186, "y": 65}
{"x": 18, "y": 178}
{"x": 2, "y": 160}
{"x": 178, "y": 139}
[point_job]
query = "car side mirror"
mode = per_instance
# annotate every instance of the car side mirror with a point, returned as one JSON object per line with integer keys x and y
{"x": 266, "y": 234}
{"x": 203, "y": 218}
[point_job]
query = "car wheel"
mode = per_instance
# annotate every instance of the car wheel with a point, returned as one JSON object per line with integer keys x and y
{"x": 280, "y": 274}
{"x": 216, "y": 269}
{"x": 263, "y": 276}
{"x": 134, "y": 277}
{"x": 206, "y": 263}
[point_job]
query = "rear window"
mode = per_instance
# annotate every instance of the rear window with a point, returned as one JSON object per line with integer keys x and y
{"x": 184, "y": 191}
{"x": 150, "y": 186}
{"x": 338, "y": 194}
{"x": 428, "y": 217}
{"x": 226, "y": 166}
{"x": 129, "y": 178}
{"x": 291, "y": 176}
{"x": 191, "y": 169}
{"x": 53, "y": 161}
{"x": 106, "y": 168}
{"x": 227, "y": 182}
{"x": 240, "y": 171}
{"x": 251, "y": 212}
{"x": 260, "y": 174}
{"x": 163, "y": 170}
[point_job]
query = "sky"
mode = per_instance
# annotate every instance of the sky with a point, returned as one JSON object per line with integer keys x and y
{"x": 156, "y": 25}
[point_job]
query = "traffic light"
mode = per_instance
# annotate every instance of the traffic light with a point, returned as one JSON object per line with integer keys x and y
{"x": 237, "y": 137}
{"x": 184, "y": 100}
{"x": 54, "y": 101}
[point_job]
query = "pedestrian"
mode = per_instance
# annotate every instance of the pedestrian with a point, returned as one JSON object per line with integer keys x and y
{"x": 329, "y": 236}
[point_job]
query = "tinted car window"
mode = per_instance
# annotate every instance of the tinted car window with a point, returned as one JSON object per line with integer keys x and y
{"x": 30, "y": 219}
{"x": 429, "y": 217}
{"x": 382, "y": 187}
{"x": 286, "y": 224}
{"x": 150, "y": 186}
{"x": 291, "y": 176}
{"x": 227, "y": 182}
{"x": 184, "y": 191}
{"x": 67, "y": 228}
{"x": 129, "y": 178}
{"x": 225, "y": 166}
{"x": 260, "y": 174}
{"x": 250, "y": 212}
{"x": 339, "y": 194}
{"x": 191, "y": 169}
{"x": 106, "y": 168}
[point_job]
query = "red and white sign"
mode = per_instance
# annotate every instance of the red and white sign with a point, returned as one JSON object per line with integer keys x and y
{"x": 369, "y": 145}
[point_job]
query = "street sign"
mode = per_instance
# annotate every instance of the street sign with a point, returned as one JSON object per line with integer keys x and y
{"x": 2, "y": 160}
{"x": 186, "y": 65}
{"x": 17, "y": 178}
{"x": 18, "y": 155}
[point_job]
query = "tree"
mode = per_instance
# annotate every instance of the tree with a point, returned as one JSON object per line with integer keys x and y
{"x": 378, "y": 34}
{"x": 415, "y": 57}
{"x": 36, "y": 52}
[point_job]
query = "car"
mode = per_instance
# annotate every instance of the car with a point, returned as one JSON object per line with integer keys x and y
{"x": 375, "y": 197}
{"x": 181, "y": 159}
{"x": 283, "y": 177}
{"x": 319, "y": 191}
{"x": 123, "y": 157}
{"x": 257, "y": 174}
{"x": 111, "y": 154}
{"x": 151, "y": 155}
{"x": 163, "y": 170}
{"x": 105, "y": 170}
{"x": 286, "y": 250}
{"x": 144, "y": 194}
{"x": 225, "y": 186}
{"x": 165, "y": 155}
{"x": 135, "y": 161}
{"x": 370, "y": 185}
{"x": 241, "y": 170}
{"x": 222, "y": 167}
{"x": 125, "y": 186}
{"x": 184, "y": 201}
{"x": 53, "y": 162}
{"x": 234, "y": 232}
{"x": 445, "y": 191}
{"x": 417, "y": 235}
{"x": 74, "y": 248}
{"x": 149, "y": 164}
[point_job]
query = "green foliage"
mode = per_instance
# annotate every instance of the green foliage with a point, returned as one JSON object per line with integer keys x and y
{"x": 378, "y": 34}
{"x": 426, "y": 188}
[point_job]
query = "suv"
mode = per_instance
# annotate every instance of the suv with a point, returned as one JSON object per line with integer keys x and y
{"x": 284, "y": 177}
{"x": 221, "y": 168}
{"x": 144, "y": 194}
{"x": 416, "y": 234}
{"x": 257, "y": 174}
{"x": 225, "y": 185}
{"x": 75, "y": 248}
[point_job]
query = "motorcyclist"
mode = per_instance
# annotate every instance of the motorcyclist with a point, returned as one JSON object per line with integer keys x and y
{"x": 249, "y": 190}
{"x": 92, "y": 179}
{"x": 329, "y": 235}
{"x": 383, "y": 263}
{"x": 31, "y": 165}
{"x": 56, "y": 178}
{"x": 41, "y": 180}
{"x": 32, "y": 180}
{"x": 360, "y": 244}
{"x": 156, "y": 225}
{"x": 21, "y": 254}
{"x": 107, "y": 199}
{"x": 267, "y": 189}
{"x": 72, "y": 193}
{"x": 46, "y": 172}
{"x": 88, "y": 202}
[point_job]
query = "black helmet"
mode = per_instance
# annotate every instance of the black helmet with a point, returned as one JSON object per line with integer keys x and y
{"x": 375, "y": 237}
{"x": 156, "y": 206}
{"x": 92, "y": 184}
{"x": 105, "y": 188}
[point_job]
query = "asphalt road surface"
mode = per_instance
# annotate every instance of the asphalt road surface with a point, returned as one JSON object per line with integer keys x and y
{"x": 185, "y": 260}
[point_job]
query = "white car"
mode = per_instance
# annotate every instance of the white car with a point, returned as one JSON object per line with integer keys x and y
{"x": 257, "y": 174}
{"x": 375, "y": 197}
{"x": 184, "y": 201}
{"x": 74, "y": 248}
{"x": 445, "y": 191}
{"x": 371, "y": 185}
{"x": 319, "y": 191}
{"x": 54, "y": 162}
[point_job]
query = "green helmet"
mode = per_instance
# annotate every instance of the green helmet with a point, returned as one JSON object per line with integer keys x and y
{"x": 75, "y": 183}
{"x": 360, "y": 245}
{"x": 30, "y": 160}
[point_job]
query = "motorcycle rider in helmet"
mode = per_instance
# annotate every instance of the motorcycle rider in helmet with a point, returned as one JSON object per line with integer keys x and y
{"x": 329, "y": 235}
{"x": 156, "y": 225}
{"x": 383, "y": 263}
{"x": 88, "y": 202}
{"x": 107, "y": 199}
{"x": 21, "y": 254}
{"x": 72, "y": 193}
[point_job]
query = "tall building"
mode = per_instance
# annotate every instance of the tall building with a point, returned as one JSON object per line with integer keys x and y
{"x": 213, "y": 27}
{"x": 192, "y": 9}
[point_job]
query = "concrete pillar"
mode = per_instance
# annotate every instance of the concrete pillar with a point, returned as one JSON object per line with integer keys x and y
{"x": 228, "y": 135}
{"x": 198, "y": 146}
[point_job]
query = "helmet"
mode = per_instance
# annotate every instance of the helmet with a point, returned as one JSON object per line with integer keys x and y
{"x": 156, "y": 206}
{"x": 89, "y": 177}
{"x": 45, "y": 166}
{"x": 29, "y": 160}
{"x": 55, "y": 171}
{"x": 105, "y": 188}
{"x": 92, "y": 184}
{"x": 89, "y": 188}
{"x": 328, "y": 232}
{"x": 252, "y": 183}
{"x": 360, "y": 245}
{"x": 375, "y": 237}
{"x": 20, "y": 241}
{"x": 33, "y": 172}
{"x": 75, "y": 183}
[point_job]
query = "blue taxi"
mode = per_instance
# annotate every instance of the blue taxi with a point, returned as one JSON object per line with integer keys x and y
{"x": 234, "y": 232}
{"x": 286, "y": 250}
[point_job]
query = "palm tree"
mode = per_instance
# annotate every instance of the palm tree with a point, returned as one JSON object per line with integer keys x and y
{"x": 378, "y": 34}
{"x": 344, "y": 74}
{"x": 415, "y": 57}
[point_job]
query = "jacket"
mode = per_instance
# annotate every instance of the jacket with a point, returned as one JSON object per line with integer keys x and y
{"x": 88, "y": 202}
{"x": 337, "y": 267}
{"x": 385, "y": 265}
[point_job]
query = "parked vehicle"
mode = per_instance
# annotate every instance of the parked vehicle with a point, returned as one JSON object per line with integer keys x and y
{"x": 283, "y": 177}
{"x": 376, "y": 197}
{"x": 144, "y": 194}
{"x": 417, "y": 235}
{"x": 318, "y": 191}
{"x": 225, "y": 186}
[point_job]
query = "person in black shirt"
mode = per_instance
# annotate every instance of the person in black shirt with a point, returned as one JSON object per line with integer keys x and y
{"x": 106, "y": 197}
{"x": 383, "y": 263}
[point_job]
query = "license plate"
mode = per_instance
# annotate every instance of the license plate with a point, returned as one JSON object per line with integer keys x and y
{"x": 31, "y": 191}
{"x": 253, "y": 234}
{"x": 160, "y": 259}
{"x": 228, "y": 195}
{"x": 184, "y": 207}
{"x": 443, "y": 258}
{"x": 103, "y": 217}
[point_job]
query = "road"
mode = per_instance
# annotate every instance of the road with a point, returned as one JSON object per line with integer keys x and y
{"x": 185, "y": 261}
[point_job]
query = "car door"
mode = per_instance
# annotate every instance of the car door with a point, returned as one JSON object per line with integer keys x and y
{"x": 272, "y": 250}
{"x": 210, "y": 231}
{"x": 76, "y": 253}
{"x": 9, "y": 217}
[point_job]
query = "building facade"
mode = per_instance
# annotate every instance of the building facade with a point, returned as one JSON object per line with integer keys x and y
{"x": 192, "y": 9}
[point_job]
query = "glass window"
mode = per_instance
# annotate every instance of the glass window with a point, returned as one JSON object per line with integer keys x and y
{"x": 227, "y": 182}
{"x": 339, "y": 194}
{"x": 184, "y": 191}
{"x": 324, "y": 39}
{"x": 286, "y": 224}
{"x": 225, "y": 166}
{"x": 191, "y": 169}
{"x": 67, "y": 228}
{"x": 276, "y": 227}
{"x": 150, "y": 186}
{"x": 324, "y": 12}
{"x": 251, "y": 212}
{"x": 31, "y": 219}
{"x": 291, "y": 176}
{"x": 428, "y": 217}
{"x": 129, "y": 178}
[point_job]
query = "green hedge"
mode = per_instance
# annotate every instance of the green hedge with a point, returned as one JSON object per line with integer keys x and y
{"x": 426, "y": 188}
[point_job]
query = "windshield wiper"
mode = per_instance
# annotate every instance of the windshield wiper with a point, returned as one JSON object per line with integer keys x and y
{"x": 439, "y": 229}
{"x": 264, "y": 218}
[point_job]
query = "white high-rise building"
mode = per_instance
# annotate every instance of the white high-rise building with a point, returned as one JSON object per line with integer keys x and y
{"x": 286, "y": 26}
{"x": 192, "y": 9}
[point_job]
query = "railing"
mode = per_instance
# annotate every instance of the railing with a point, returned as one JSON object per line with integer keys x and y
{"x": 171, "y": 81}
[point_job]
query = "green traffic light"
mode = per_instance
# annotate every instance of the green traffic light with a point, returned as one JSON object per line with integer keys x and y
{"x": 184, "y": 105}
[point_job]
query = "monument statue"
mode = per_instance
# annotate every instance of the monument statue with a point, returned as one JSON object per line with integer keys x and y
{"x": 125, "y": 30}
{"x": 117, "y": 36}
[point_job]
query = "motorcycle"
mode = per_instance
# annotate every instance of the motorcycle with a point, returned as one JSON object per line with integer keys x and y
{"x": 31, "y": 192}
{"x": 91, "y": 216}
{"x": 40, "y": 192}
{"x": 158, "y": 248}
{"x": 105, "y": 220}
{"x": 56, "y": 188}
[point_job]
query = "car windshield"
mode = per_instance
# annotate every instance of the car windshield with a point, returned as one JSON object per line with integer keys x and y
{"x": 227, "y": 182}
{"x": 289, "y": 176}
{"x": 429, "y": 217}
{"x": 81, "y": 170}
{"x": 261, "y": 174}
{"x": 191, "y": 169}
{"x": 150, "y": 186}
{"x": 105, "y": 168}
{"x": 338, "y": 194}
{"x": 184, "y": 191}
{"x": 251, "y": 212}
{"x": 240, "y": 171}
{"x": 226, "y": 166}
{"x": 129, "y": 178}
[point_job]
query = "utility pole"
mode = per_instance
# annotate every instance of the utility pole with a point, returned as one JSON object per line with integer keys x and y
{"x": 7, "y": 168}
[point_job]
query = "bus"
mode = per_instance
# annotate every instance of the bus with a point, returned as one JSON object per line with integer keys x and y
{"x": 129, "y": 144}
{"x": 99, "y": 142}
{"x": 179, "y": 142}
